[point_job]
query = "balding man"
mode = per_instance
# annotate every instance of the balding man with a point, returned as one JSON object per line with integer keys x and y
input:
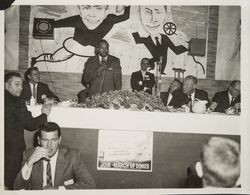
{"x": 188, "y": 93}
{"x": 228, "y": 98}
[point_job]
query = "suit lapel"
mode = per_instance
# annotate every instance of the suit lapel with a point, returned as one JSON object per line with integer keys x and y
{"x": 60, "y": 166}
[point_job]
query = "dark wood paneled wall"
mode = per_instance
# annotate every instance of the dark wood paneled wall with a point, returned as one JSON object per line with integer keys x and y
{"x": 67, "y": 85}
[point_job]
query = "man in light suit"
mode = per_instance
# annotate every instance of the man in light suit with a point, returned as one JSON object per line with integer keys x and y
{"x": 51, "y": 165}
{"x": 188, "y": 93}
{"x": 153, "y": 18}
{"x": 33, "y": 87}
{"x": 143, "y": 80}
{"x": 228, "y": 98}
{"x": 102, "y": 72}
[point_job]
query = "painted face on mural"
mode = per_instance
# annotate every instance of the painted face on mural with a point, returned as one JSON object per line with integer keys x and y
{"x": 152, "y": 18}
{"x": 93, "y": 15}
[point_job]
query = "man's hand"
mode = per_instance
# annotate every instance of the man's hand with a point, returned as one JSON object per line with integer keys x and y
{"x": 237, "y": 106}
{"x": 46, "y": 109}
{"x": 37, "y": 155}
{"x": 102, "y": 68}
{"x": 212, "y": 107}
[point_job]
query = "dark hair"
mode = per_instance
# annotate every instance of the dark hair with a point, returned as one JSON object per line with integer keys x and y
{"x": 102, "y": 41}
{"x": 10, "y": 75}
{"x": 178, "y": 81}
{"x": 195, "y": 80}
{"x": 49, "y": 127}
{"x": 234, "y": 82}
{"x": 28, "y": 72}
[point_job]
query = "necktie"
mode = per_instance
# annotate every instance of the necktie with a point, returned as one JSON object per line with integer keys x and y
{"x": 232, "y": 101}
{"x": 157, "y": 42}
{"x": 102, "y": 60}
{"x": 190, "y": 101}
{"x": 49, "y": 177}
{"x": 34, "y": 91}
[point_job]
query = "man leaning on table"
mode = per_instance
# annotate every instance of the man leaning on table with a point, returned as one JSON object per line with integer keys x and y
{"x": 16, "y": 119}
{"x": 51, "y": 165}
{"x": 226, "y": 99}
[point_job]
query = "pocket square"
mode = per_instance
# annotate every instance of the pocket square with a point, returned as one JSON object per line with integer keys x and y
{"x": 68, "y": 182}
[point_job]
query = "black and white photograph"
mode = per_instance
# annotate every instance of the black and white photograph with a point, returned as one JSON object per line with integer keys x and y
{"x": 148, "y": 97}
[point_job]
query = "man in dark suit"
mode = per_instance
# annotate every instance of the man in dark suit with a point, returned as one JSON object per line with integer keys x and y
{"x": 143, "y": 80}
{"x": 225, "y": 99}
{"x": 167, "y": 96}
{"x": 102, "y": 72}
{"x": 32, "y": 87}
{"x": 189, "y": 93}
{"x": 51, "y": 165}
{"x": 16, "y": 119}
{"x": 153, "y": 18}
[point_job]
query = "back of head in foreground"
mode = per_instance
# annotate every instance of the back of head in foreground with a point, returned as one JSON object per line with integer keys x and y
{"x": 220, "y": 162}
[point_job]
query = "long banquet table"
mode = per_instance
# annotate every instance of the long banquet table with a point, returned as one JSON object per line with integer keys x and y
{"x": 72, "y": 117}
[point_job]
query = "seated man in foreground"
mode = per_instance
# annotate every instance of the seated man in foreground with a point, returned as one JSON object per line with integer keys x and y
{"x": 189, "y": 93}
{"x": 32, "y": 87}
{"x": 52, "y": 165}
{"x": 143, "y": 80}
{"x": 226, "y": 99}
{"x": 219, "y": 165}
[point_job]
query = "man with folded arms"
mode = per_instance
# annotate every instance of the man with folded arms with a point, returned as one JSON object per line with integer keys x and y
{"x": 226, "y": 99}
{"x": 143, "y": 80}
{"x": 51, "y": 165}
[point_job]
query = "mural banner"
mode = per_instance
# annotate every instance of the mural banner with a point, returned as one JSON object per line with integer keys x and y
{"x": 125, "y": 150}
{"x": 130, "y": 30}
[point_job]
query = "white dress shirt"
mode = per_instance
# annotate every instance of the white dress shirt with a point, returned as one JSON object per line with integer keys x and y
{"x": 53, "y": 169}
{"x": 31, "y": 87}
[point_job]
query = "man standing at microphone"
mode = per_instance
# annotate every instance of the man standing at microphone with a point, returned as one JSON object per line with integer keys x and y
{"x": 103, "y": 71}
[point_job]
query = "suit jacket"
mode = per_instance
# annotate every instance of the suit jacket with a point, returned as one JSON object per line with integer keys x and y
{"x": 222, "y": 99}
{"x": 110, "y": 79}
{"x": 180, "y": 98}
{"x": 42, "y": 89}
{"x": 16, "y": 119}
{"x": 149, "y": 81}
{"x": 69, "y": 166}
{"x": 164, "y": 98}
{"x": 155, "y": 51}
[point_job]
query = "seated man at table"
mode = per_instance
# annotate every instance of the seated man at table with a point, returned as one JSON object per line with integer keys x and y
{"x": 188, "y": 93}
{"x": 167, "y": 96}
{"x": 51, "y": 165}
{"x": 228, "y": 98}
{"x": 33, "y": 87}
{"x": 143, "y": 80}
{"x": 219, "y": 165}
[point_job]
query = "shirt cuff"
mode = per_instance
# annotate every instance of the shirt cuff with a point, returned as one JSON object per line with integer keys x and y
{"x": 26, "y": 171}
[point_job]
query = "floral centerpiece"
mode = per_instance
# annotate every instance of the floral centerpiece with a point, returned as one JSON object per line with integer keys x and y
{"x": 126, "y": 99}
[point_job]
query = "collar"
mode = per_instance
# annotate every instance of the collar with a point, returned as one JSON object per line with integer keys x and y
{"x": 230, "y": 96}
{"x": 100, "y": 58}
{"x": 31, "y": 84}
{"x": 154, "y": 36}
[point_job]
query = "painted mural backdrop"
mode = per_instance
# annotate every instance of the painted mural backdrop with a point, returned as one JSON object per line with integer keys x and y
{"x": 131, "y": 32}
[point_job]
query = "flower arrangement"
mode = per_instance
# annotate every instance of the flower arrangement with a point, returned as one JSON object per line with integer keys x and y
{"x": 125, "y": 99}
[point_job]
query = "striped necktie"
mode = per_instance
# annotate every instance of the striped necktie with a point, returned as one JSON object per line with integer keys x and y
{"x": 49, "y": 177}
